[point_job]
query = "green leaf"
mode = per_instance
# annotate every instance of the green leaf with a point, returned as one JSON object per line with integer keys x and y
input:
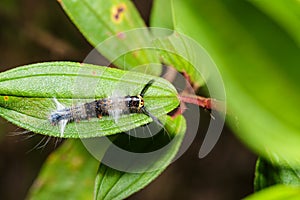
{"x": 68, "y": 173}
{"x": 26, "y": 96}
{"x": 113, "y": 27}
{"x": 115, "y": 184}
{"x": 181, "y": 53}
{"x": 177, "y": 50}
{"x": 285, "y": 13}
{"x": 259, "y": 63}
{"x": 161, "y": 14}
{"x": 268, "y": 174}
{"x": 278, "y": 192}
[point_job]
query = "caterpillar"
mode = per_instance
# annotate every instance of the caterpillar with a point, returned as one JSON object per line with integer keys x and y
{"x": 111, "y": 106}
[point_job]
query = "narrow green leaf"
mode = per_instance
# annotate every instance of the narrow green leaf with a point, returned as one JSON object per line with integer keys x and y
{"x": 278, "y": 192}
{"x": 108, "y": 26}
{"x": 181, "y": 53}
{"x": 268, "y": 174}
{"x": 259, "y": 63}
{"x": 161, "y": 14}
{"x": 114, "y": 184}
{"x": 26, "y": 96}
{"x": 177, "y": 50}
{"x": 68, "y": 173}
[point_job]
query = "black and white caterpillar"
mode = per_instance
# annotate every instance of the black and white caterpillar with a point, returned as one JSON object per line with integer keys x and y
{"x": 111, "y": 106}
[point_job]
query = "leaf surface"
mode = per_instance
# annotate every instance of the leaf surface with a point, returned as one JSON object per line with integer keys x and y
{"x": 278, "y": 192}
{"x": 259, "y": 63}
{"x": 26, "y": 96}
{"x": 68, "y": 173}
{"x": 268, "y": 174}
{"x": 116, "y": 30}
{"x": 114, "y": 184}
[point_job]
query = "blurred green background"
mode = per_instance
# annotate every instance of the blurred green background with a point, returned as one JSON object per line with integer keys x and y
{"x": 255, "y": 45}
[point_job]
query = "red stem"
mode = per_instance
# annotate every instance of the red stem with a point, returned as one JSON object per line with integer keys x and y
{"x": 207, "y": 103}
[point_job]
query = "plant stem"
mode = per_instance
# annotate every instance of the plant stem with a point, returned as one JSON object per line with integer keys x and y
{"x": 206, "y": 103}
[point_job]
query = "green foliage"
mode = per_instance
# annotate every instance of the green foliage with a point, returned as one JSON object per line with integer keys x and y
{"x": 259, "y": 62}
{"x": 257, "y": 52}
{"x": 283, "y": 12}
{"x": 255, "y": 45}
{"x": 181, "y": 53}
{"x": 268, "y": 174}
{"x": 99, "y": 20}
{"x": 159, "y": 8}
{"x": 114, "y": 184}
{"x": 71, "y": 167}
{"x": 278, "y": 192}
{"x": 29, "y": 92}
{"x": 68, "y": 173}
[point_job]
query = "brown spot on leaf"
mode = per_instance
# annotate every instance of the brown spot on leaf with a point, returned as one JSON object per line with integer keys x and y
{"x": 117, "y": 13}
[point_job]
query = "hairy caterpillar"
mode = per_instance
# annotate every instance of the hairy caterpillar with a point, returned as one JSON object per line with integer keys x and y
{"x": 111, "y": 106}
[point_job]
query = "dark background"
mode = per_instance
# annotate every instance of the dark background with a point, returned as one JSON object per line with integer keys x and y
{"x": 36, "y": 31}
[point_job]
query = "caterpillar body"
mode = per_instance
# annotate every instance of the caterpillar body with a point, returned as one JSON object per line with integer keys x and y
{"x": 111, "y": 106}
